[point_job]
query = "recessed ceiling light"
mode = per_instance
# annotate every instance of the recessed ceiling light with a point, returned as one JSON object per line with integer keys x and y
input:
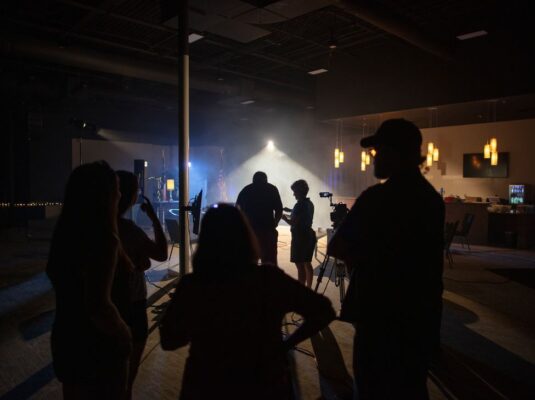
{"x": 245, "y": 102}
{"x": 317, "y": 71}
{"x": 471, "y": 35}
{"x": 193, "y": 37}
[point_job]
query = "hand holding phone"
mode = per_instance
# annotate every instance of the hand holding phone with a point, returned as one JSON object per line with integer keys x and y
{"x": 147, "y": 208}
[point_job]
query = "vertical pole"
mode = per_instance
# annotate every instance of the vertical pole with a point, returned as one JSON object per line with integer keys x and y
{"x": 183, "y": 134}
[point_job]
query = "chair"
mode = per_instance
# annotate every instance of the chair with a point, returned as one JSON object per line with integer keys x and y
{"x": 466, "y": 225}
{"x": 450, "y": 228}
{"x": 174, "y": 233}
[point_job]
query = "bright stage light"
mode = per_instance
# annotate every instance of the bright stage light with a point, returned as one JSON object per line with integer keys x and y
{"x": 189, "y": 164}
{"x": 270, "y": 145}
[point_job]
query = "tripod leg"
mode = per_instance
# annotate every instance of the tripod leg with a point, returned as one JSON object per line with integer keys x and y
{"x": 322, "y": 272}
{"x": 340, "y": 277}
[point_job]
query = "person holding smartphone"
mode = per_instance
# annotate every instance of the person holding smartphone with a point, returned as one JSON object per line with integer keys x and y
{"x": 140, "y": 249}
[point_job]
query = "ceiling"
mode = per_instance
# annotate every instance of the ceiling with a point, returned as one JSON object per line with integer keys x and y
{"x": 247, "y": 47}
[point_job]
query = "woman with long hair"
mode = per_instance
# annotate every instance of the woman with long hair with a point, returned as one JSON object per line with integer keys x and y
{"x": 230, "y": 311}
{"x": 90, "y": 342}
{"x": 140, "y": 249}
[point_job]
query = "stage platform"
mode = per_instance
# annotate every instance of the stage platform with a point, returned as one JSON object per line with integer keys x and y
{"x": 488, "y": 331}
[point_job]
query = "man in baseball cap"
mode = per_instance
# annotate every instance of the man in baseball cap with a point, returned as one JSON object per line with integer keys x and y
{"x": 392, "y": 239}
{"x": 397, "y": 143}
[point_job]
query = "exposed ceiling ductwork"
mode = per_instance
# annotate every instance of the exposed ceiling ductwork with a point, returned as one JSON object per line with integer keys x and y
{"x": 386, "y": 21}
{"x": 139, "y": 69}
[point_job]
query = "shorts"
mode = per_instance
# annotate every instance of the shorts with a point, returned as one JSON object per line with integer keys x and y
{"x": 302, "y": 247}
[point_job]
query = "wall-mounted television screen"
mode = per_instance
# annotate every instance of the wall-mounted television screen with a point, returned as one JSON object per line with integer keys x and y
{"x": 477, "y": 166}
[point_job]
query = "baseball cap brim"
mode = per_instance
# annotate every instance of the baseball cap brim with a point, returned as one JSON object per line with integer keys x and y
{"x": 369, "y": 141}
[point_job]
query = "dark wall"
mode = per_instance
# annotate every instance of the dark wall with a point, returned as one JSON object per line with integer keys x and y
{"x": 397, "y": 76}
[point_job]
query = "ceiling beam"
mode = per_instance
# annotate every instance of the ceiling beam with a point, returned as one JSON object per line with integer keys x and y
{"x": 394, "y": 25}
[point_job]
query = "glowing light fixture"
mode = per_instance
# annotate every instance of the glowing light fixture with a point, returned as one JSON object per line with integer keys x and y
{"x": 490, "y": 150}
{"x": 363, "y": 166}
{"x": 368, "y": 159}
{"x": 318, "y": 71}
{"x": 373, "y": 152}
{"x": 249, "y": 101}
{"x": 493, "y": 145}
{"x": 429, "y": 159}
{"x": 170, "y": 184}
{"x": 337, "y": 158}
{"x": 146, "y": 164}
{"x": 189, "y": 164}
{"x": 494, "y": 158}
{"x": 432, "y": 154}
{"x": 486, "y": 150}
{"x": 270, "y": 145}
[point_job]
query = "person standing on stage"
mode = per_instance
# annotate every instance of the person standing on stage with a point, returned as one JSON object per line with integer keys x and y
{"x": 393, "y": 240}
{"x": 303, "y": 236}
{"x": 261, "y": 203}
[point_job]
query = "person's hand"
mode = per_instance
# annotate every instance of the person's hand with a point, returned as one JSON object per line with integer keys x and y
{"x": 148, "y": 209}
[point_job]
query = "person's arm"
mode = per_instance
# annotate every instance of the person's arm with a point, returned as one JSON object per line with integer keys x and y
{"x": 292, "y": 219}
{"x": 315, "y": 308}
{"x": 99, "y": 271}
{"x": 175, "y": 325}
{"x": 277, "y": 206}
{"x": 288, "y": 219}
{"x": 157, "y": 249}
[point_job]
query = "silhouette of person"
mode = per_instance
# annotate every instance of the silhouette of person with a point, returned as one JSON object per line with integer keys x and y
{"x": 303, "y": 236}
{"x": 230, "y": 311}
{"x": 140, "y": 249}
{"x": 393, "y": 239}
{"x": 90, "y": 342}
{"x": 261, "y": 203}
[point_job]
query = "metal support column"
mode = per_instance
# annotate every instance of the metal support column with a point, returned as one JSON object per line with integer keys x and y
{"x": 183, "y": 135}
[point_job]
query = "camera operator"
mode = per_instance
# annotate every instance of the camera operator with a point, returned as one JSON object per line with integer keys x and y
{"x": 393, "y": 238}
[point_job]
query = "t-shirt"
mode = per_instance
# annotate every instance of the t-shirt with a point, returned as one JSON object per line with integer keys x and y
{"x": 135, "y": 243}
{"x": 303, "y": 214}
{"x": 395, "y": 234}
{"x": 259, "y": 202}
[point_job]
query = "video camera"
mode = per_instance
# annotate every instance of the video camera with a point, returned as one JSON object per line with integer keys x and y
{"x": 339, "y": 212}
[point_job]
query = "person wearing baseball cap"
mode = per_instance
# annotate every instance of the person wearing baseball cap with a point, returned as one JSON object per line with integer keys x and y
{"x": 392, "y": 240}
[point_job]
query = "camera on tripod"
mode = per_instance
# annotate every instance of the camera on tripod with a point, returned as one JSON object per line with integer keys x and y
{"x": 339, "y": 212}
